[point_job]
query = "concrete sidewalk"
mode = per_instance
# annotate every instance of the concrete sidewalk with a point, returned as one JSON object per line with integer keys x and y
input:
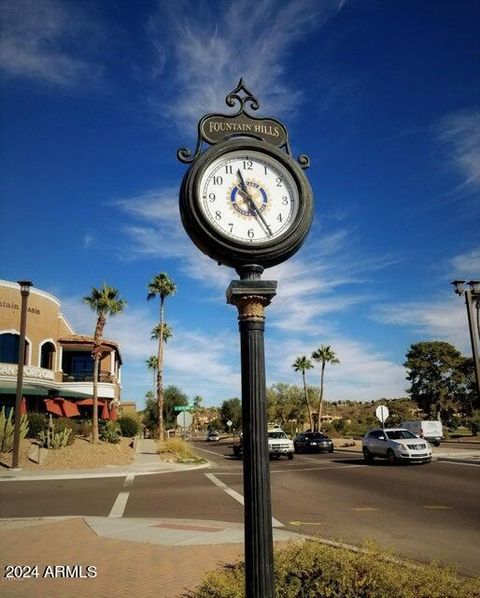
{"x": 162, "y": 558}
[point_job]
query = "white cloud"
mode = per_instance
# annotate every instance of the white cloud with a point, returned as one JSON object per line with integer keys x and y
{"x": 461, "y": 133}
{"x": 439, "y": 320}
{"x": 467, "y": 264}
{"x": 362, "y": 373}
{"x": 211, "y": 50}
{"x": 40, "y": 39}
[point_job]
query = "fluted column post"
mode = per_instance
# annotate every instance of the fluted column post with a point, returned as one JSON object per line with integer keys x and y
{"x": 250, "y": 295}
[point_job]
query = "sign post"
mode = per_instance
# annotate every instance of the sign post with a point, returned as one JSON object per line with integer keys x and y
{"x": 382, "y": 414}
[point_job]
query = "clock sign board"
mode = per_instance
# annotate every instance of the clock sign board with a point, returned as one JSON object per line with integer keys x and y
{"x": 245, "y": 200}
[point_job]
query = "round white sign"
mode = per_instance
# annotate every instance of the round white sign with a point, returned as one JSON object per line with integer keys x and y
{"x": 382, "y": 413}
{"x": 184, "y": 419}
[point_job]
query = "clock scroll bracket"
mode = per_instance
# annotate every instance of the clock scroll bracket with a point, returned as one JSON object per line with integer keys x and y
{"x": 214, "y": 128}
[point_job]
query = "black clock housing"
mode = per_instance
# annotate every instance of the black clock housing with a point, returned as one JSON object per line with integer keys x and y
{"x": 229, "y": 251}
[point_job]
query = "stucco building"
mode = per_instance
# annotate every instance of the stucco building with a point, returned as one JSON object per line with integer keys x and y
{"x": 57, "y": 361}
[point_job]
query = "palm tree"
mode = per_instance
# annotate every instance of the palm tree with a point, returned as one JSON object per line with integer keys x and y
{"x": 167, "y": 332}
{"x": 152, "y": 364}
{"x": 104, "y": 302}
{"x": 163, "y": 286}
{"x": 324, "y": 354}
{"x": 302, "y": 364}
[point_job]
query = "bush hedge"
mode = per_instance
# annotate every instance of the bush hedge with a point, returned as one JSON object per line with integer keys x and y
{"x": 65, "y": 423}
{"x": 37, "y": 422}
{"x": 129, "y": 426}
{"x": 313, "y": 570}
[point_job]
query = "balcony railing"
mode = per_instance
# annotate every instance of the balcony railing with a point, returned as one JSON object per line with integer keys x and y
{"x": 102, "y": 377}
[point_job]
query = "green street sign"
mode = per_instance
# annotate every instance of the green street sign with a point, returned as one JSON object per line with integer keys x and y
{"x": 183, "y": 407}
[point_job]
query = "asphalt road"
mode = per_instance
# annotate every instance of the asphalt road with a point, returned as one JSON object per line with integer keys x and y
{"x": 422, "y": 511}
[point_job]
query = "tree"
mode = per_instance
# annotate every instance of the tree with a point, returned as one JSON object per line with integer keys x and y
{"x": 104, "y": 302}
{"x": 302, "y": 364}
{"x": 286, "y": 406}
{"x": 167, "y": 332}
{"x": 173, "y": 397}
{"x": 163, "y": 286}
{"x": 436, "y": 371}
{"x": 324, "y": 354}
{"x": 152, "y": 364}
{"x": 231, "y": 410}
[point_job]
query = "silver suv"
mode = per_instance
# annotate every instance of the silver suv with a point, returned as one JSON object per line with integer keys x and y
{"x": 396, "y": 445}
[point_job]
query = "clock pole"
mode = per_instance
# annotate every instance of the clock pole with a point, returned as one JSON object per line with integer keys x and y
{"x": 251, "y": 295}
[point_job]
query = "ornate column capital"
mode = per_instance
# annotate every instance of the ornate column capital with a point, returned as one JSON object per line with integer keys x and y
{"x": 251, "y": 297}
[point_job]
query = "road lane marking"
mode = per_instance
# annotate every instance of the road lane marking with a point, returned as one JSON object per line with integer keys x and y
{"x": 120, "y": 503}
{"x": 436, "y": 507}
{"x": 211, "y": 452}
{"x": 298, "y": 523}
{"x": 366, "y": 509}
{"x": 236, "y": 495}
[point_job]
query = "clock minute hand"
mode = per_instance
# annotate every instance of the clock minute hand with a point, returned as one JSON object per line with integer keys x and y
{"x": 253, "y": 205}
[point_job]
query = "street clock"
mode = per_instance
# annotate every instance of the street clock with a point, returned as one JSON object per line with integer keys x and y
{"x": 245, "y": 200}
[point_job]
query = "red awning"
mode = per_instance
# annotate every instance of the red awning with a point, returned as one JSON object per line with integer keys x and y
{"x": 103, "y": 404}
{"x": 61, "y": 407}
{"x": 89, "y": 402}
{"x": 113, "y": 413}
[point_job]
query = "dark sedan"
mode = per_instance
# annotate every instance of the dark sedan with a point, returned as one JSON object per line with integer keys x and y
{"x": 313, "y": 442}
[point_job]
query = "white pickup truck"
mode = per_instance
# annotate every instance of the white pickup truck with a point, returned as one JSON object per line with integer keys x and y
{"x": 278, "y": 444}
{"x": 430, "y": 430}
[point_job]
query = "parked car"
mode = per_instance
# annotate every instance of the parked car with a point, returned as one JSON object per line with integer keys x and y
{"x": 316, "y": 442}
{"x": 431, "y": 430}
{"x": 212, "y": 436}
{"x": 396, "y": 445}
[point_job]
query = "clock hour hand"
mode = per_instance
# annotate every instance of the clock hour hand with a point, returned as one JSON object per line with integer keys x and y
{"x": 252, "y": 204}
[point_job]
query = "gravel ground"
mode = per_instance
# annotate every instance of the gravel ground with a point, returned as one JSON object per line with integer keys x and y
{"x": 82, "y": 454}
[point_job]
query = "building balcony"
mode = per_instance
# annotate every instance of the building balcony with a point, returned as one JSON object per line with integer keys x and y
{"x": 88, "y": 377}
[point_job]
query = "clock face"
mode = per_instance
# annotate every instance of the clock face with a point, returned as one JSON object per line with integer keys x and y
{"x": 248, "y": 196}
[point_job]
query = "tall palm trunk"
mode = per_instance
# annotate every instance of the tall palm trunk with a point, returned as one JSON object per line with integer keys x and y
{"x": 305, "y": 390}
{"x": 160, "y": 375}
{"x": 96, "y": 354}
{"x": 320, "y": 399}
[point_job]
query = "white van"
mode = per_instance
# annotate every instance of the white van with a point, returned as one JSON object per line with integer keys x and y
{"x": 431, "y": 430}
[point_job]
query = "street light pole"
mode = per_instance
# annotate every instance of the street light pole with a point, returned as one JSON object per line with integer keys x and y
{"x": 25, "y": 292}
{"x": 471, "y": 295}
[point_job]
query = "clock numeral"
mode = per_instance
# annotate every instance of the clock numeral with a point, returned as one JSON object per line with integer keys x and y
{"x": 266, "y": 170}
{"x": 250, "y": 233}
{"x": 218, "y": 215}
{"x": 285, "y": 200}
{"x": 218, "y": 180}
{"x": 211, "y": 196}
{"x": 278, "y": 180}
{"x": 230, "y": 225}
{"x": 279, "y": 218}
{"x": 247, "y": 165}
{"x": 228, "y": 169}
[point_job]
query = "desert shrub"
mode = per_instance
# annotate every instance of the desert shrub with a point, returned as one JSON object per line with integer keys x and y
{"x": 129, "y": 426}
{"x": 179, "y": 450}
{"x": 110, "y": 431}
{"x": 84, "y": 428}
{"x": 7, "y": 428}
{"x": 313, "y": 570}
{"x": 36, "y": 423}
{"x": 65, "y": 423}
{"x": 54, "y": 439}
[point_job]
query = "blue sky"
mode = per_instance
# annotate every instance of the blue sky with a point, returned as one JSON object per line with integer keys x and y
{"x": 384, "y": 98}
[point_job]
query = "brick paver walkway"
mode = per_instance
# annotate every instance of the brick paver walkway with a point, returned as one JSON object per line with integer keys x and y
{"x": 124, "y": 568}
